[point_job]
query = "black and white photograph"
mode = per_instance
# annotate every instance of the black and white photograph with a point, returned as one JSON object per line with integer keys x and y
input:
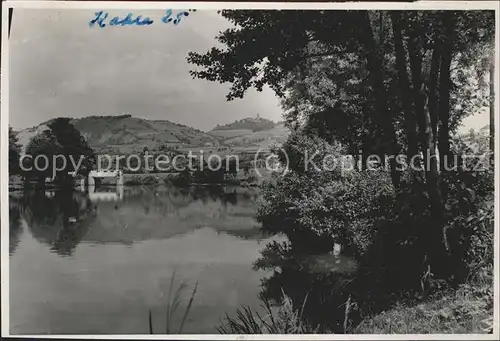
{"x": 224, "y": 169}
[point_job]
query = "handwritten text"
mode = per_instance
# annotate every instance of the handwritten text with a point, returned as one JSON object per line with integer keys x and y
{"x": 103, "y": 19}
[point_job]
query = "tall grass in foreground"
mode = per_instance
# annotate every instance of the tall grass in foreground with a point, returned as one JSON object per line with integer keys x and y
{"x": 173, "y": 303}
{"x": 283, "y": 319}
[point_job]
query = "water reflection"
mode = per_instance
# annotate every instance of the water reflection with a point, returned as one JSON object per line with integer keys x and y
{"x": 63, "y": 219}
{"x": 96, "y": 262}
{"x": 15, "y": 227}
{"x": 111, "y": 194}
{"x": 313, "y": 282}
{"x": 59, "y": 219}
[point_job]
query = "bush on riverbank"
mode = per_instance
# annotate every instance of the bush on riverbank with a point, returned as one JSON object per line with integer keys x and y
{"x": 148, "y": 180}
{"x": 209, "y": 177}
{"x": 382, "y": 229}
{"x": 316, "y": 208}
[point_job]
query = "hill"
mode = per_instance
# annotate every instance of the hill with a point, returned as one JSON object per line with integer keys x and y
{"x": 251, "y": 133}
{"x": 249, "y": 123}
{"x": 127, "y": 134}
{"x": 260, "y": 139}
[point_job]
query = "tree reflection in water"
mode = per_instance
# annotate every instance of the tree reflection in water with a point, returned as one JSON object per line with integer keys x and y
{"x": 15, "y": 228}
{"x": 314, "y": 282}
{"x": 59, "y": 219}
{"x": 62, "y": 218}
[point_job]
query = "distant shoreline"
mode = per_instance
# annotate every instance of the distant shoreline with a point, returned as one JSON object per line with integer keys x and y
{"x": 144, "y": 180}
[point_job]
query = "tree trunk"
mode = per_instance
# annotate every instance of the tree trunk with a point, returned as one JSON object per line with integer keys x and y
{"x": 427, "y": 139}
{"x": 433, "y": 91}
{"x": 381, "y": 32}
{"x": 445, "y": 85}
{"x": 404, "y": 87}
{"x": 384, "y": 116}
{"x": 433, "y": 238}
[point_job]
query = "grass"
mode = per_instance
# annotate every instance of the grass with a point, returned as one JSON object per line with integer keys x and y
{"x": 469, "y": 309}
{"x": 173, "y": 303}
{"x": 283, "y": 319}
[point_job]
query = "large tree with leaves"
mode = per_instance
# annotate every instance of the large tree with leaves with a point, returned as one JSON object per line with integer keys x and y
{"x": 381, "y": 82}
{"x": 63, "y": 140}
{"x": 42, "y": 149}
{"x": 74, "y": 147}
{"x": 266, "y": 47}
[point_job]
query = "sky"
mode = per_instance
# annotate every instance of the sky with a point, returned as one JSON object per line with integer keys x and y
{"x": 59, "y": 66}
{"x": 62, "y": 67}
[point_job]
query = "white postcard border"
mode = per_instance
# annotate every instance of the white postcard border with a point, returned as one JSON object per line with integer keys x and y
{"x": 146, "y": 5}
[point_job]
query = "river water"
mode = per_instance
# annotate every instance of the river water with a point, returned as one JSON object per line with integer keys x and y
{"x": 99, "y": 263}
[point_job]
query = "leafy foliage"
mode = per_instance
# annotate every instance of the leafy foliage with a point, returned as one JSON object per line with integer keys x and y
{"x": 375, "y": 83}
{"x": 73, "y": 144}
{"x": 44, "y": 144}
{"x": 316, "y": 208}
{"x": 14, "y": 152}
{"x": 378, "y": 226}
{"x": 65, "y": 142}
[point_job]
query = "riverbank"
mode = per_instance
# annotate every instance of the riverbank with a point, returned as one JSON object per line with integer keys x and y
{"x": 469, "y": 309}
{"x": 155, "y": 179}
{"x": 181, "y": 180}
